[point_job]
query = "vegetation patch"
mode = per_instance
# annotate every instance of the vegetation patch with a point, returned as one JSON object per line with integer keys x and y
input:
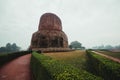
{"x": 110, "y": 53}
{"x": 6, "y": 57}
{"x": 75, "y": 58}
{"x": 102, "y": 66}
{"x": 46, "y": 68}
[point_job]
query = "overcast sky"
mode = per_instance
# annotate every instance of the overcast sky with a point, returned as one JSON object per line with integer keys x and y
{"x": 91, "y": 22}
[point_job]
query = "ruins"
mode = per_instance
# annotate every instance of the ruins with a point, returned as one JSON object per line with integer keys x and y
{"x": 49, "y": 36}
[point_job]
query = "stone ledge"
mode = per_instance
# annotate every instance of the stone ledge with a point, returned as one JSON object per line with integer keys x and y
{"x": 52, "y": 49}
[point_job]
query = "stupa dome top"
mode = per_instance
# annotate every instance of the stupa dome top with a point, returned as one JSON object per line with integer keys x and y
{"x": 50, "y": 21}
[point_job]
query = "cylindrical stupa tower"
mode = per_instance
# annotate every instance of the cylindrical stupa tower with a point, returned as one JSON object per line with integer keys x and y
{"x": 49, "y": 36}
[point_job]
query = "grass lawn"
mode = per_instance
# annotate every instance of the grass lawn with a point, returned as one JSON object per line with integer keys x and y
{"x": 113, "y": 54}
{"x": 76, "y": 58}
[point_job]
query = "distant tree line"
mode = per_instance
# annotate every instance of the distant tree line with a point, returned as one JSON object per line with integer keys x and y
{"x": 76, "y": 45}
{"x": 108, "y": 47}
{"x": 10, "y": 48}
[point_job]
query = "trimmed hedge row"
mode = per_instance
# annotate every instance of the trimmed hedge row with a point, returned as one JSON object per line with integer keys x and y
{"x": 103, "y": 67}
{"x": 46, "y": 68}
{"x": 6, "y": 57}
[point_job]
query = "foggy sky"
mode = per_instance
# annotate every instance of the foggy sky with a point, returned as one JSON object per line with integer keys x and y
{"x": 91, "y": 22}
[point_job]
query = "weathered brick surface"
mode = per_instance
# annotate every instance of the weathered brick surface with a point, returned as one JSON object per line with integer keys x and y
{"x": 49, "y": 34}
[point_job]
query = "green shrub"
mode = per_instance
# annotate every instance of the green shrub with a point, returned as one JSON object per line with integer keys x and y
{"x": 6, "y": 57}
{"x": 46, "y": 68}
{"x": 103, "y": 67}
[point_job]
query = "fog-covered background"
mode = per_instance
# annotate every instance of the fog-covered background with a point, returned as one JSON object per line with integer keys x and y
{"x": 91, "y": 22}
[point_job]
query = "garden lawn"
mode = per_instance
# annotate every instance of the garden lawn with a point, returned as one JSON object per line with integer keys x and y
{"x": 76, "y": 58}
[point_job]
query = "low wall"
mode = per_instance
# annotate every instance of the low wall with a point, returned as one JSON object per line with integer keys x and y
{"x": 52, "y": 49}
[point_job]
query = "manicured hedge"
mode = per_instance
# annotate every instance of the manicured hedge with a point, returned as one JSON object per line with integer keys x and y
{"x": 103, "y": 67}
{"x": 46, "y": 68}
{"x": 6, "y": 57}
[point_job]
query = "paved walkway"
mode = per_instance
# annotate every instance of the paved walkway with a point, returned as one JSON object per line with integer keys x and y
{"x": 109, "y": 57}
{"x": 17, "y": 69}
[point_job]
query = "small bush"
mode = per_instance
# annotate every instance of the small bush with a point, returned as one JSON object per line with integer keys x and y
{"x": 103, "y": 67}
{"x": 46, "y": 68}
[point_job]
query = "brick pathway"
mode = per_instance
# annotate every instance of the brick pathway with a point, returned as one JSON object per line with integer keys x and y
{"x": 17, "y": 69}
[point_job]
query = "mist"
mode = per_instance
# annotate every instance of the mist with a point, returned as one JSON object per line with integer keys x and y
{"x": 91, "y": 22}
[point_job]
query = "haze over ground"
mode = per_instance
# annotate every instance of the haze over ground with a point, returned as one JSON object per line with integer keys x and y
{"x": 91, "y": 22}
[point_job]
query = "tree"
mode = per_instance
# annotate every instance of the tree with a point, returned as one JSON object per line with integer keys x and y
{"x": 117, "y": 47}
{"x": 108, "y": 47}
{"x": 15, "y": 47}
{"x": 76, "y": 45}
{"x": 3, "y": 49}
{"x": 10, "y": 48}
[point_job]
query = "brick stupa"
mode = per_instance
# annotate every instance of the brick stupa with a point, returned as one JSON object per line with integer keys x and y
{"x": 49, "y": 36}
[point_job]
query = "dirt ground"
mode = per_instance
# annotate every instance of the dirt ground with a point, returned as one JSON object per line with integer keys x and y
{"x": 109, "y": 57}
{"x": 17, "y": 69}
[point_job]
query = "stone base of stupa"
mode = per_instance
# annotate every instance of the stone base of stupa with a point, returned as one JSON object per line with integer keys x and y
{"x": 51, "y": 49}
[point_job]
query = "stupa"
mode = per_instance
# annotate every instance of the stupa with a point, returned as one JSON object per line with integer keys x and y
{"x": 49, "y": 36}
